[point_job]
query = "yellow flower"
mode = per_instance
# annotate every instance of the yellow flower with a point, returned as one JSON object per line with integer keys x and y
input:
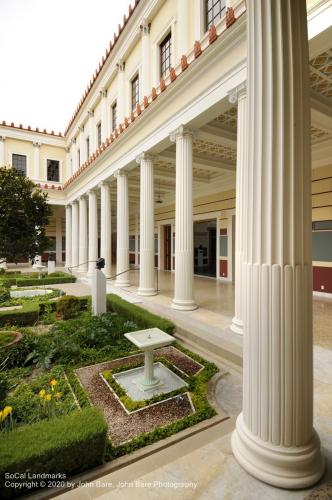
{"x": 42, "y": 393}
{"x": 58, "y": 395}
{"x": 53, "y": 383}
{"x": 1, "y": 416}
{"x": 48, "y": 397}
{"x": 7, "y": 411}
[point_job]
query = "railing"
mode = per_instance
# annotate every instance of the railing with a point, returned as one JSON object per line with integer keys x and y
{"x": 132, "y": 268}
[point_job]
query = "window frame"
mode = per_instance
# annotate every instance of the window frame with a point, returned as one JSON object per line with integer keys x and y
{"x": 214, "y": 20}
{"x": 98, "y": 127}
{"x": 47, "y": 167}
{"x": 25, "y": 174}
{"x": 169, "y": 57}
{"x": 134, "y": 91}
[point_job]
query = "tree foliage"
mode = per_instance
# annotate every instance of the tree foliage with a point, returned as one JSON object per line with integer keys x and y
{"x": 24, "y": 214}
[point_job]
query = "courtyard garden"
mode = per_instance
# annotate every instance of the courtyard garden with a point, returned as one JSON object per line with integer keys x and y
{"x": 63, "y": 406}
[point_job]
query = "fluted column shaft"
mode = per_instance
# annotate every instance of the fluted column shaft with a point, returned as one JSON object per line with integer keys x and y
{"x": 240, "y": 94}
{"x": 147, "y": 272}
{"x": 121, "y": 104}
{"x": 106, "y": 227}
{"x": 93, "y": 230}
{"x": 122, "y": 242}
{"x": 83, "y": 235}
{"x": 74, "y": 234}
{"x": 274, "y": 438}
{"x": 68, "y": 235}
{"x": 184, "y": 263}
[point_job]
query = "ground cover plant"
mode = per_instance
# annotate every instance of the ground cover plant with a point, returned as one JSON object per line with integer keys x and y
{"x": 40, "y": 390}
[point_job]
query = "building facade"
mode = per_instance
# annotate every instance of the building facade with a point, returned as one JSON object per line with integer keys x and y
{"x": 153, "y": 170}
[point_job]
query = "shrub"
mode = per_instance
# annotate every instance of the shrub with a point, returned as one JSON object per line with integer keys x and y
{"x": 17, "y": 354}
{"x": 4, "y": 387}
{"x": 140, "y": 316}
{"x": 44, "y": 281}
{"x": 59, "y": 274}
{"x": 68, "y": 307}
{"x": 67, "y": 445}
{"x": 4, "y": 294}
{"x": 28, "y": 315}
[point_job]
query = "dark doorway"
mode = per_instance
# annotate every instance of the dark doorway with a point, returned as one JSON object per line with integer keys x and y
{"x": 205, "y": 247}
{"x": 167, "y": 247}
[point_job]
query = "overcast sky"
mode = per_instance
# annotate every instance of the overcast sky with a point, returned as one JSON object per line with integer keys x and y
{"x": 49, "y": 51}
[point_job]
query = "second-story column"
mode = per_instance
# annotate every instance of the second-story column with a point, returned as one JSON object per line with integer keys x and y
{"x": 2, "y": 150}
{"x": 147, "y": 272}
{"x": 74, "y": 234}
{"x": 121, "y": 101}
{"x": 145, "y": 33}
{"x": 93, "y": 230}
{"x": 183, "y": 27}
{"x": 122, "y": 242}
{"x": 104, "y": 121}
{"x": 91, "y": 125}
{"x": 83, "y": 235}
{"x": 184, "y": 241}
{"x": 36, "y": 160}
{"x": 240, "y": 95}
{"x": 106, "y": 227}
{"x": 68, "y": 235}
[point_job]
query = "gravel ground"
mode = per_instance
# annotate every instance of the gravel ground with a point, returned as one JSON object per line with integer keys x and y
{"x": 124, "y": 427}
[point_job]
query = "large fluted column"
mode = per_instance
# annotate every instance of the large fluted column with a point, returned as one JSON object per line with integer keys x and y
{"x": 240, "y": 95}
{"x": 122, "y": 242}
{"x": 68, "y": 235}
{"x": 274, "y": 438}
{"x": 184, "y": 241}
{"x": 93, "y": 230}
{"x": 83, "y": 235}
{"x": 147, "y": 272}
{"x": 74, "y": 234}
{"x": 106, "y": 227}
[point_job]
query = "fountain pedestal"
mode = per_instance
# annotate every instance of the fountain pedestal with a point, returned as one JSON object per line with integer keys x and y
{"x": 147, "y": 341}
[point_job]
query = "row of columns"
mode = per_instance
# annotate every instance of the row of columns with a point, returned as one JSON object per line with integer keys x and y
{"x": 82, "y": 226}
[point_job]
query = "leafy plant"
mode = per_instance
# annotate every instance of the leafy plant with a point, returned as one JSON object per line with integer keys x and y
{"x": 68, "y": 307}
{"x": 4, "y": 294}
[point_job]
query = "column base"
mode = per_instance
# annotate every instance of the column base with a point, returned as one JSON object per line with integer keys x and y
{"x": 122, "y": 284}
{"x": 292, "y": 467}
{"x": 147, "y": 292}
{"x": 237, "y": 326}
{"x": 184, "y": 305}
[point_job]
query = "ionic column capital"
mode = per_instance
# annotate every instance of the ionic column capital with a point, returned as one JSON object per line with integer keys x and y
{"x": 237, "y": 92}
{"x": 104, "y": 184}
{"x": 103, "y": 93}
{"x": 120, "y": 173}
{"x": 92, "y": 190}
{"x": 182, "y": 131}
{"x": 74, "y": 202}
{"x": 36, "y": 144}
{"x": 145, "y": 27}
{"x": 144, "y": 156}
{"x": 81, "y": 128}
{"x": 120, "y": 66}
{"x": 82, "y": 197}
{"x": 90, "y": 113}
{"x": 2, "y": 138}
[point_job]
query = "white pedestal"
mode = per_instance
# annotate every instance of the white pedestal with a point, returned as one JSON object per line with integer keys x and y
{"x": 98, "y": 292}
{"x": 50, "y": 266}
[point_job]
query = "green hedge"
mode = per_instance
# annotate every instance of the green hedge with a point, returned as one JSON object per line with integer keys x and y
{"x": 143, "y": 318}
{"x": 28, "y": 315}
{"x": 45, "y": 281}
{"x": 67, "y": 445}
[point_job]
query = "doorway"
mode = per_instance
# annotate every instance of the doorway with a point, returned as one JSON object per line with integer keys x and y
{"x": 205, "y": 248}
{"x": 167, "y": 247}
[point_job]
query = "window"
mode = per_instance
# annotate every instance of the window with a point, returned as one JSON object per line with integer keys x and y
{"x": 213, "y": 11}
{"x": 78, "y": 157}
{"x": 165, "y": 55}
{"x": 20, "y": 164}
{"x": 53, "y": 170}
{"x": 132, "y": 243}
{"x": 134, "y": 92}
{"x": 87, "y": 145}
{"x": 99, "y": 134}
{"x": 114, "y": 116}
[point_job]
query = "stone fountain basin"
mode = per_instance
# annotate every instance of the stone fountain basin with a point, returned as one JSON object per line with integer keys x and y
{"x": 18, "y": 294}
{"x": 152, "y": 338}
